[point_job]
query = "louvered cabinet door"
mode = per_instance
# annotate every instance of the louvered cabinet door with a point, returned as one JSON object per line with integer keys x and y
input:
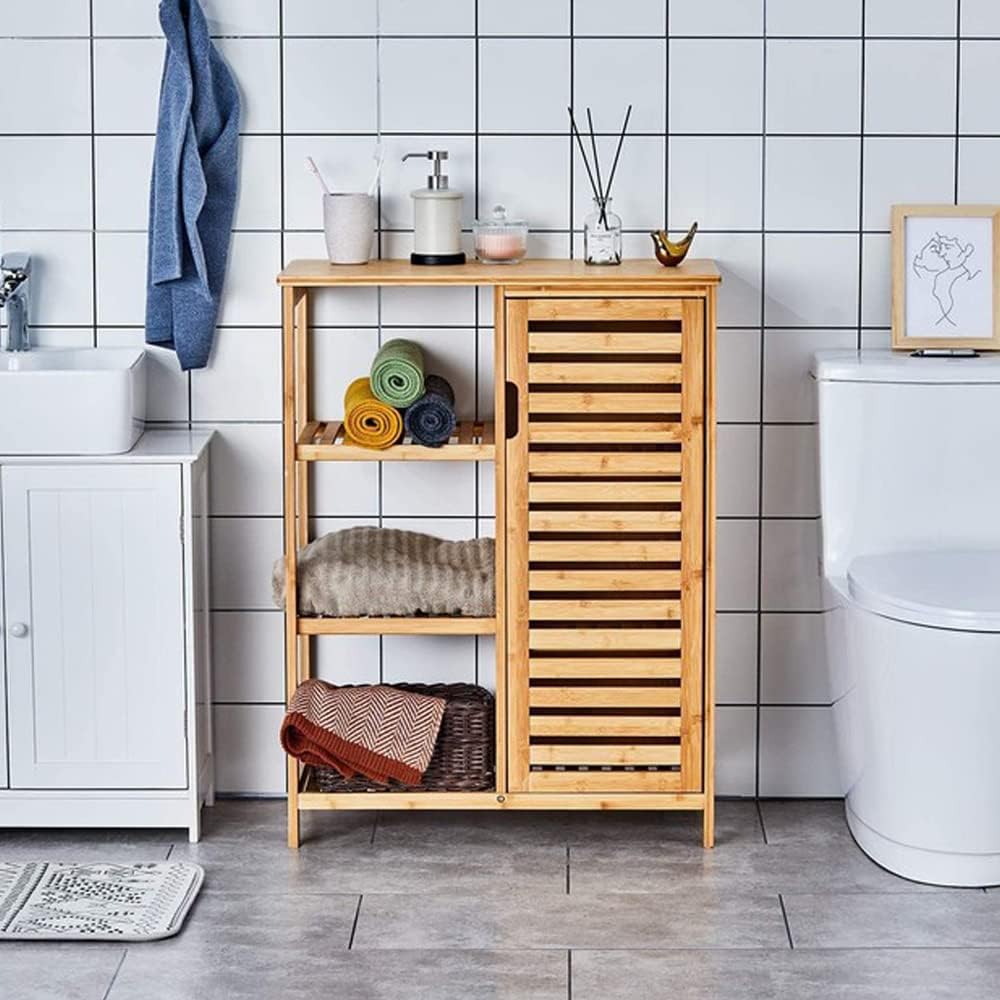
{"x": 605, "y": 544}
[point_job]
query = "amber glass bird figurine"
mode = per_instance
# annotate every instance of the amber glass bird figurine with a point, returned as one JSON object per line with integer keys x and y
{"x": 669, "y": 253}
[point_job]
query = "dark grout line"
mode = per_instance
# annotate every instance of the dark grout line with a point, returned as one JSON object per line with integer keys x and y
{"x": 569, "y": 974}
{"x": 784, "y": 916}
{"x": 354, "y": 926}
{"x": 760, "y": 820}
{"x": 93, "y": 180}
{"x": 958, "y": 94}
{"x": 114, "y": 977}
{"x": 500, "y": 36}
{"x": 170, "y": 849}
{"x": 758, "y": 651}
{"x": 371, "y": 840}
{"x": 861, "y": 179}
{"x": 567, "y": 870}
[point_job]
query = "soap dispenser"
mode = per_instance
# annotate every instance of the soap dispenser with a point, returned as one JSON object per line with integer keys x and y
{"x": 437, "y": 217}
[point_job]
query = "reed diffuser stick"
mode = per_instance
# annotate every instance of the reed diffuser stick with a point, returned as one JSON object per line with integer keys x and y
{"x": 618, "y": 151}
{"x": 576, "y": 132}
{"x": 603, "y": 198}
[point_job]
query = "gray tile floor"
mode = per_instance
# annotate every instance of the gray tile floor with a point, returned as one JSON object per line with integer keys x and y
{"x": 542, "y": 906}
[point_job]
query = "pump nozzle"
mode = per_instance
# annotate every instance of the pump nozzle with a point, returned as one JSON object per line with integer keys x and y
{"x": 436, "y": 181}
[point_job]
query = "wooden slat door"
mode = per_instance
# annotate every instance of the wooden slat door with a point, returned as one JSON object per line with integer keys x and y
{"x": 605, "y": 544}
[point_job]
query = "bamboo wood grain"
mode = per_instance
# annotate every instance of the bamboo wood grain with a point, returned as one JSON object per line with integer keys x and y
{"x": 614, "y": 309}
{"x": 577, "y": 491}
{"x": 581, "y": 801}
{"x": 533, "y": 276}
{"x": 598, "y": 639}
{"x": 289, "y": 300}
{"x": 591, "y": 551}
{"x": 604, "y": 781}
{"x": 583, "y": 609}
{"x": 605, "y": 697}
{"x": 610, "y": 432}
{"x": 605, "y": 520}
{"x": 303, "y": 408}
{"x": 559, "y": 290}
{"x": 602, "y": 373}
{"x": 604, "y": 579}
{"x": 616, "y": 667}
{"x": 664, "y": 755}
{"x": 397, "y": 626}
{"x": 474, "y": 442}
{"x": 596, "y": 401}
{"x": 397, "y": 453}
{"x": 516, "y": 328}
{"x": 600, "y": 343}
{"x": 692, "y": 547}
{"x": 619, "y": 726}
{"x": 708, "y": 723}
{"x": 596, "y": 463}
{"x": 497, "y": 433}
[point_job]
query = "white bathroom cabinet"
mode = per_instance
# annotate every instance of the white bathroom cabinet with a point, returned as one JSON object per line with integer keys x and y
{"x": 105, "y": 655}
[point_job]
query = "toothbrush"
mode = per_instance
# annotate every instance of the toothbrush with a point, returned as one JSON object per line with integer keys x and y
{"x": 379, "y": 161}
{"x": 311, "y": 166}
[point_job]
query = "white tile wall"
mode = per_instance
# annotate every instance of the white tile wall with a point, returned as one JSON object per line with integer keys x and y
{"x": 788, "y": 148}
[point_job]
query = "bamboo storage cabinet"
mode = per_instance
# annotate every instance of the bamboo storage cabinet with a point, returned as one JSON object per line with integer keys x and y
{"x": 603, "y": 442}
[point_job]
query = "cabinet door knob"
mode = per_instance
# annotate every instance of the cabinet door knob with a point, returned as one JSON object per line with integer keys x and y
{"x": 19, "y": 630}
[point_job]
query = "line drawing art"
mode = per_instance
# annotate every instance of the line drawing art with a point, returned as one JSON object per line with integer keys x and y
{"x": 946, "y": 258}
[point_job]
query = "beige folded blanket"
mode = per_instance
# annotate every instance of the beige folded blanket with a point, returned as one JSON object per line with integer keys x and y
{"x": 362, "y": 572}
{"x": 374, "y": 730}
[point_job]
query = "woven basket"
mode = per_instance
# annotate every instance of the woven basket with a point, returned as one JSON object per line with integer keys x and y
{"x": 463, "y": 759}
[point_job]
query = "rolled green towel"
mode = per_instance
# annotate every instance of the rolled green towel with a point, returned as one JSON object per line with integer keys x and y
{"x": 397, "y": 375}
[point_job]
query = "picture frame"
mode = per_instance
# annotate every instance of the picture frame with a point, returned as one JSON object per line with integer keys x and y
{"x": 946, "y": 277}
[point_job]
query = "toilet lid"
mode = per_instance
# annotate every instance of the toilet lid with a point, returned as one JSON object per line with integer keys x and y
{"x": 943, "y": 589}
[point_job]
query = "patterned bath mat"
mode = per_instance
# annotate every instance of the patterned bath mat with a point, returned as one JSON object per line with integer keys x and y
{"x": 43, "y": 901}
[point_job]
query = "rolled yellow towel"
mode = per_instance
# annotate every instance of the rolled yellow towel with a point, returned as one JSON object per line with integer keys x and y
{"x": 368, "y": 421}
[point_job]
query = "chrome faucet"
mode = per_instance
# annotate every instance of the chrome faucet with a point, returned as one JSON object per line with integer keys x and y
{"x": 15, "y": 272}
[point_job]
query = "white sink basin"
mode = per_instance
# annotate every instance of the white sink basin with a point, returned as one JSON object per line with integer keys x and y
{"x": 90, "y": 401}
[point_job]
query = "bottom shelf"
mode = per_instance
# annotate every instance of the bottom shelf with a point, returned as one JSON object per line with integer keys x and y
{"x": 311, "y": 800}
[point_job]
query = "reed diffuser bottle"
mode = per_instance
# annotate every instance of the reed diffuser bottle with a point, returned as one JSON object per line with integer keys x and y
{"x": 602, "y": 235}
{"x": 602, "y": 228}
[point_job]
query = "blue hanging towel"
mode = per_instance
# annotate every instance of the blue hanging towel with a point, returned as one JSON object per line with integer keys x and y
{"x": 194, "y": 188}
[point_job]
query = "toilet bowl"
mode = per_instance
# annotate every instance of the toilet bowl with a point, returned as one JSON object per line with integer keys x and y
{"x": 910, "y": 491}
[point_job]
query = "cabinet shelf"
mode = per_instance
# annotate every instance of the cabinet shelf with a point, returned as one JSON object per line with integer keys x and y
{"x": 325, "y": 441}
{"x": 397, "y": 626}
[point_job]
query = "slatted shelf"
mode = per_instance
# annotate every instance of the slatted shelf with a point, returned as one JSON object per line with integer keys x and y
{"x": 325, "y": 441}
{"x": 397, "y": 626}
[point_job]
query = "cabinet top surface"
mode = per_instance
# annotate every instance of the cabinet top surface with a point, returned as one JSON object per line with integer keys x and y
{"x": 571, "y": 273}
{"x": 155, "y": 447}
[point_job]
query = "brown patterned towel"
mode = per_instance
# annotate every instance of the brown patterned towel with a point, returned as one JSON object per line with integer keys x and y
{"x": 378, "y": 731}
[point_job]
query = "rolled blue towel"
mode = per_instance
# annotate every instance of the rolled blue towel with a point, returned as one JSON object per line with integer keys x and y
{"x": 431, "y": 419}
{"x": 194, "y": 188}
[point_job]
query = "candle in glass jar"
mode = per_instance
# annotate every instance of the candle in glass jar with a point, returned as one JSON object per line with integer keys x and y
{"x": 499, "y": 246}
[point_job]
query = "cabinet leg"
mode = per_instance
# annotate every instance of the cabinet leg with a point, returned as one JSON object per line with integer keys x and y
{"x": 293, "y": 803}
{"x": 708, "y": 820}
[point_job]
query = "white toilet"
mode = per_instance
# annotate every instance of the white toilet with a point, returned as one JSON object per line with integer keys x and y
{"x": 910, "y": 500}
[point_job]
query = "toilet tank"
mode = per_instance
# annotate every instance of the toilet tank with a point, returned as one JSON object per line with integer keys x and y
{"x": 909, "y": 453}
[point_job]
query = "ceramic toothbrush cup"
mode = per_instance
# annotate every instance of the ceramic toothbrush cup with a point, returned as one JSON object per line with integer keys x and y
{"x": 349, "y": 222}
